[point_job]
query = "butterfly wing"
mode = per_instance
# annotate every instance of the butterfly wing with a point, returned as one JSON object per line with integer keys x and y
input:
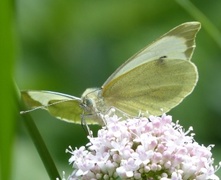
{"x": 178, "y": 43}
{"x": 158, "y": 77}
{"x": 62, "y": 106}
{"x": 153, "y": 87}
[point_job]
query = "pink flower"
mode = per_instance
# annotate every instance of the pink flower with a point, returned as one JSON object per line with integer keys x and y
{"x": 141, "y": 148}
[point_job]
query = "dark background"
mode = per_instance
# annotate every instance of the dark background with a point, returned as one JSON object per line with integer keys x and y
{"x": 68, "y": 46}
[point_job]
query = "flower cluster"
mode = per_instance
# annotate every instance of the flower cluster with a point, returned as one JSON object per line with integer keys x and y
{"x": 141, "y": 148}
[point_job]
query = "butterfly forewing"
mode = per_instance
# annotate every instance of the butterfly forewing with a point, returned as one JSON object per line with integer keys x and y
{"x": 178, "y": 43}
{"x": 62, "y": 106}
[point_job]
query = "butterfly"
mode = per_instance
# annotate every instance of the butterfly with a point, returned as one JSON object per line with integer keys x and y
{"x": 153, "y": 81}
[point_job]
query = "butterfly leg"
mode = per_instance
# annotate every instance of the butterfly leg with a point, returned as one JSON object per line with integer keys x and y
{"x": 85, "y": 125}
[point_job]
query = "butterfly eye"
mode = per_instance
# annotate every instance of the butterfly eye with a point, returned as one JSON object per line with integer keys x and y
{"x": 88, "y": 102}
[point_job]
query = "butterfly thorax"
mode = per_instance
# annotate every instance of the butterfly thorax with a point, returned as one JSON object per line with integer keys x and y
{"x": 92, "y": 102}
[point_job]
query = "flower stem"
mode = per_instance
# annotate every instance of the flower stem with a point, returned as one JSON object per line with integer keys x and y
{"x": 39, "y": 142}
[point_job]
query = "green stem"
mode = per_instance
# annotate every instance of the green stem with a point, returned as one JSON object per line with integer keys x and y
{"x": 207, "y": 24}
{"x": 7, "y": 108}
{"x": 39, "y": 143}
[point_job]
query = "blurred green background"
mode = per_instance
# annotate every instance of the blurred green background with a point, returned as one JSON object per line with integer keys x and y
{"x": 68, "y": 46}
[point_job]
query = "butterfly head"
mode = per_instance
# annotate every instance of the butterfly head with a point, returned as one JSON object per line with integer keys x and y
{"x": 92, "y": 100}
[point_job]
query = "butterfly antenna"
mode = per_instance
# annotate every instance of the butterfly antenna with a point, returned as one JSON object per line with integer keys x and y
{"x": 33, "y": 109}
{"x": 43, "y": 107}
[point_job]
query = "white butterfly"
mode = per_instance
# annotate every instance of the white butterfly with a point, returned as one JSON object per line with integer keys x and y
{"x": 154, "y": 80}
